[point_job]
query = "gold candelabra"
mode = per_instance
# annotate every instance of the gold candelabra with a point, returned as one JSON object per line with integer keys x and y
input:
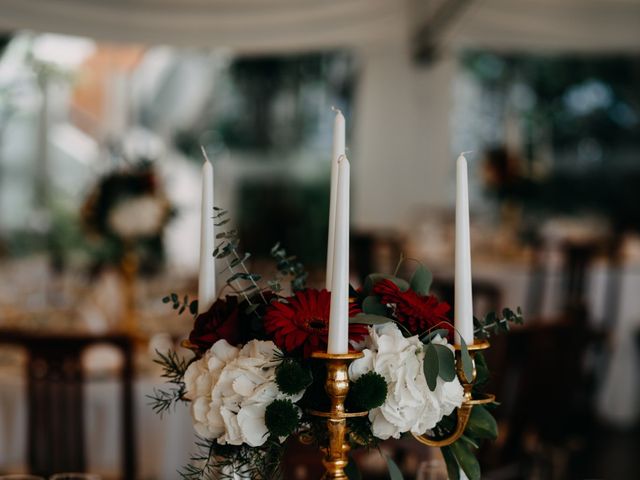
{"x": 337, "y": 387}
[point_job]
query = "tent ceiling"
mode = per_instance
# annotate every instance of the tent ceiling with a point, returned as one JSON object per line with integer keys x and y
{"x": 288, "y": 25}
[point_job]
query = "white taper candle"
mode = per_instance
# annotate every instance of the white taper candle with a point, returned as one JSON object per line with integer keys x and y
{"x": 339, "y": 315}
{"x": 207, "y": 275}
{"x": 463, "y": 313}
{"x": 338, "y": 150}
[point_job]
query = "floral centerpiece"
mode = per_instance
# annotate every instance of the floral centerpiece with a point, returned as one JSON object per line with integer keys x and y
{"x": 125, "y": 212}
{"x": 252, "y": 381}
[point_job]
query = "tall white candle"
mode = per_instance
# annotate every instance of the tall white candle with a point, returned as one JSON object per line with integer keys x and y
{"x": 338, "y": 150}
{"x": 463, "y": 297}
{"x": 207, "y": 276}
{"x": 339, "y": 314}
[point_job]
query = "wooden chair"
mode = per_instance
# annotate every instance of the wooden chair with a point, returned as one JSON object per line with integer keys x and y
{"x": 55, "y": 383}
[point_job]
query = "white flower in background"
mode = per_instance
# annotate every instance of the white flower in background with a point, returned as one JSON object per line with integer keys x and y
{"x": 230, "y": 390}
{"x": 410, "y": 405}
{"x": 140, "y": 216}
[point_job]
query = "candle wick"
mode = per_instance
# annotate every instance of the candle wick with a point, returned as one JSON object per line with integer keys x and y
{"x": 336, "y": 109}
{"x": 342, "y": 157}
{"x": 204, "y": 152}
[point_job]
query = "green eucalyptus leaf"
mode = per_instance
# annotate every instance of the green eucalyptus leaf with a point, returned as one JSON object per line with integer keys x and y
{"x": 443, "y": 332}
{"x": 372, "y": 305}
{"x": 466, "y": 459}
{"x": 431, "y": 366}
{"x": 193, "y": 307}
{"x": 453, "y": 469}
{"x": 394, "y": 470}
{"x": 446, "y": 362}
{"x": 467, "y": 363}
{"x": 421, "y": 280}
{"x": 482, "y": 424}
{"x": 368, "y": 319}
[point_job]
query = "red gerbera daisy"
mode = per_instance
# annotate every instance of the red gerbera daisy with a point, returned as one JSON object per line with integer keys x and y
{"x": 302, "y": 321}
{"x": 416, "y": 312}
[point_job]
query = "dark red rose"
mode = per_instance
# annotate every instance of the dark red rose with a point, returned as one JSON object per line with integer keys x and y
{"x": 221, "y": 321}
{"x": 302, "y": 321}
{"x": 417, "y": 313}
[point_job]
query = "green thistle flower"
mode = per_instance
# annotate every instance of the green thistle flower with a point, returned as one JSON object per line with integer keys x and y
{"x": 292, "y": 378}
{"x": 281, "y": 418}
{"x": 369, "y": 391}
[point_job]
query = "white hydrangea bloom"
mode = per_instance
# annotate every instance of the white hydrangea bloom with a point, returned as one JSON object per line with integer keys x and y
{"x": 410, "y": 405}
{"x": 140, "y": 216}
{"x": 230, "y": 389}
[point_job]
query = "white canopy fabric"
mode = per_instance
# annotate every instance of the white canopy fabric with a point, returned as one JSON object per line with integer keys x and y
{"x": 290, "y": 25}
{"x": 246, "y": 25}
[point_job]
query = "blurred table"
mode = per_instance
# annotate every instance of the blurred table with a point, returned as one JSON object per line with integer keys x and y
{"x": 163, "y": 444}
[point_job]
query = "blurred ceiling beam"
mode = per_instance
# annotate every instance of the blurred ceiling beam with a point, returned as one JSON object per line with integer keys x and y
{"x": 428, "y": 34}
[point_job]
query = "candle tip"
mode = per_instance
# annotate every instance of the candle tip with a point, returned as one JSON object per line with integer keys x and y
{"x": 336, "y": 109}
{"x": 204, "y": 153}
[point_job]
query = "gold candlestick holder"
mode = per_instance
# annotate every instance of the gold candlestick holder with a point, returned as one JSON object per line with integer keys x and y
{"x": 337, "y": 386}
{"x": 468, "y": 402}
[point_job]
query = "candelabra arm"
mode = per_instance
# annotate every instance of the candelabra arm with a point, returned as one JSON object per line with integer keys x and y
{"x": 468, "y": 402}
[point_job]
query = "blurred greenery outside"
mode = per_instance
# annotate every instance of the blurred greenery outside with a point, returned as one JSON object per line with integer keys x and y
{"x": 585, "y": 111}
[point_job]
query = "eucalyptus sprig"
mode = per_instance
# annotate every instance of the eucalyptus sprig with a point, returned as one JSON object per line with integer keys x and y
{"x": 181, "y": 304}
{"x": 492, "y": 324}
{"x": 288, "y": 267}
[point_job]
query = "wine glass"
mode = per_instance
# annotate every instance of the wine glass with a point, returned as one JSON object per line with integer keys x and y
{"x": 432, "y": 470}
{"x": 75, "y": 476}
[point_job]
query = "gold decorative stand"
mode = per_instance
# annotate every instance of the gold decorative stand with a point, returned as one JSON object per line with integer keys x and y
{"x": 337, "y": 386}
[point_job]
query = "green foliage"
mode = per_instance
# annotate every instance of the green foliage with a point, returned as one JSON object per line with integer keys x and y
{"x": 368, "y": 392}
{"x": 492, "y": 324}
{"x": 181, "y": 304}
{"x": 174, "y": 368}
{"x": 281, "y": 418}
{"x": 367, "y": 319}
{"x": 222, "y": 462}
{"x": 372, "y": 305}
{"x": 481, "y": 424}
{"x": 453, "y": 470}
{"x": 394, "y": 470}
{"x": 288, "y": 267}
{"x": 466, "y": 459}
{"x": 421, "y": 280}
{"x": 242, "y": 282}
{"x": 467, "y": 363}
{"x": 438, "y": 361}
{"x": 291, "y": 377}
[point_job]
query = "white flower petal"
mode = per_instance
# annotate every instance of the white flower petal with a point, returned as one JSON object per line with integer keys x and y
{"x": 252, "y": 425}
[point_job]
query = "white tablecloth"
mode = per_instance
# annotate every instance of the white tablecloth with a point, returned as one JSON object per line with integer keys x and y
{"x": 163, "y": 445}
